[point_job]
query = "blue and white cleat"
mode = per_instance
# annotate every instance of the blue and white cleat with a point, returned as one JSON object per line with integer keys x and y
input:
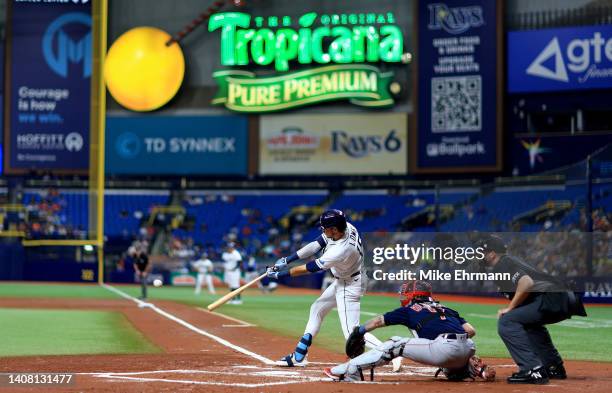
{"x": 289, "y": 361}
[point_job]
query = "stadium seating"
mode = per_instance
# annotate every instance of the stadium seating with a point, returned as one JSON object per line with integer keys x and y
{"x": 497, "y": 210}
{"x": 250, "y": 215}
{"x": 119, "y": 209}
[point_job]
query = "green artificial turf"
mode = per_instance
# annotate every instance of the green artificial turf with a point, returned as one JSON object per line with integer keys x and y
{"x": 68, "y": 332}
{"x": 85, "y": 291}
{"x": 287, "y": 315}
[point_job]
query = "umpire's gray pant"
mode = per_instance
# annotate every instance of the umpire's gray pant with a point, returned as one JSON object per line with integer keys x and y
{"x": 527, "y": 340}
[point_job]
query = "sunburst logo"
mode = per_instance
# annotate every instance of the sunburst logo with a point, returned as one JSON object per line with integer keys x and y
{"x": 535, "y": 151}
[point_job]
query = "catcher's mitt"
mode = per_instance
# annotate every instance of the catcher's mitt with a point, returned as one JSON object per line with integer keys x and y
{"x": 355, "y": 344}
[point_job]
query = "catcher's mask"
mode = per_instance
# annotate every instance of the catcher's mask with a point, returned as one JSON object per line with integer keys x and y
{"x": 415, "y": 290}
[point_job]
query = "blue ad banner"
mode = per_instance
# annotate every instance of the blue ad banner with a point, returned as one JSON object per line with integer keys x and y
{"x": 49, "y": 96}
{"x": 532, "y": 155}
{"x": 457, "y": 85}
{"x": 560, "y": 59}
{"x": 210, "y": 145}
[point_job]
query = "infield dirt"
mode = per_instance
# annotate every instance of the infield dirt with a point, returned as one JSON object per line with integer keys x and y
{"x": 192, "y": 362}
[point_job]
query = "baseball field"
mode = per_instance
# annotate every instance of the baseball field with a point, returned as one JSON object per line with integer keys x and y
{"x": 114, "y": 342}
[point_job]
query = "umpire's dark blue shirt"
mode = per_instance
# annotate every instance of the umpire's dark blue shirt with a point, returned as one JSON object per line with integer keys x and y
{"x": 410, "y": 316}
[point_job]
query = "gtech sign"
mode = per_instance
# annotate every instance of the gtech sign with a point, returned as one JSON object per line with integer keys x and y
{"x": 560, "y": 59}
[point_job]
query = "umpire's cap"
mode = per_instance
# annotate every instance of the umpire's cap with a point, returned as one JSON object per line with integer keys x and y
{"x": 333, "y": 218}
{"x": 492, "y": 243}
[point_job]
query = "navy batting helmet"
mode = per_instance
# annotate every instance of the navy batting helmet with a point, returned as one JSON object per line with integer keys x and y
{"x": 333, "y": 218}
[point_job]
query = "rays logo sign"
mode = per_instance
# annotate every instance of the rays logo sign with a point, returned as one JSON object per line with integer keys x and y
{"x": 454, "y": 20}
{"x": 344, "y": 47}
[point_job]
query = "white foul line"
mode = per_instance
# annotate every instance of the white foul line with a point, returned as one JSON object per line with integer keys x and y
{"x": 242, "y": 323}
{"x": 190, "y": 326}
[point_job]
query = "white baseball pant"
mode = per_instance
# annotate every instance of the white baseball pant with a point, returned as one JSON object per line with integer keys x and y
{"x": 345, "y": 295}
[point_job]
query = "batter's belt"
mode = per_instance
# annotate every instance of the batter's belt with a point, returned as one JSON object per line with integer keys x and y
{"x": 347, "y": 278}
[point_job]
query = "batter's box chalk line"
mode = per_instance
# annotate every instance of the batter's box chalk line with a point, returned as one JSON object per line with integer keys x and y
{"x": 191, "y": 327}
{"x": 286, "y": 377}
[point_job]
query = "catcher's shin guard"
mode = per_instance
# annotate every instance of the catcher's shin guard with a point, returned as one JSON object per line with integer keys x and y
{"x": 368, "y": 361}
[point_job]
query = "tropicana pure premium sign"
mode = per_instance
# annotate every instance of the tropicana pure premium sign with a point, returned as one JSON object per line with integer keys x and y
{"x": 341, "y": 45}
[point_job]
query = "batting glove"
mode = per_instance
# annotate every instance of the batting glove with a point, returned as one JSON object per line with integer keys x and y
{"x": 280, "y": 263}
{"x": 272, "y": 272}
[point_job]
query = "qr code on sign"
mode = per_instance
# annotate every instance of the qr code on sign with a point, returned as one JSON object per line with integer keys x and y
{"x": 456, "y": 104}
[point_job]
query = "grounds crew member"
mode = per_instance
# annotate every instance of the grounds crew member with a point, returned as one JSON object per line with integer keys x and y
{"x": 536, "y": 299}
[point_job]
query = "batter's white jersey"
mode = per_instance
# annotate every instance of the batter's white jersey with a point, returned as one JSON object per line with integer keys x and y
{"x": 344, "y": 257}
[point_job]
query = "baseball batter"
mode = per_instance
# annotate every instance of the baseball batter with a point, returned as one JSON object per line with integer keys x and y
{"x": 204, "y": 267}
{"x": 232, "y": 260}
{"x": 441, "y": 338}
{"x": 343, "y": 256}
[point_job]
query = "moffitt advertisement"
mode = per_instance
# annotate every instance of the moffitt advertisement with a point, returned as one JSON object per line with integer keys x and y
{"x": 333, "y": 144}
{"x": 49, "y": 85}
{"x": 560, "y": 59}
{"x": 457, "y": 85}
{"x": 337, "y": 46}
{"x": 176, "y": 145}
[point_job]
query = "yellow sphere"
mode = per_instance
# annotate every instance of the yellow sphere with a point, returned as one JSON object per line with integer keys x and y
{"x": 141, "y": 72}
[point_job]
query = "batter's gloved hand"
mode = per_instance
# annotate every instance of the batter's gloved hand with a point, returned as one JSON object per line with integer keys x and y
{"x": 280, "y": 263}
{"x": 272, "y": 272}
{"x": 355, "y": 344}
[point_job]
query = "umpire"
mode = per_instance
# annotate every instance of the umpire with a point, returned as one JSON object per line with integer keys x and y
{"x": 536, "y": 299}
{"x": 140, "y": 260}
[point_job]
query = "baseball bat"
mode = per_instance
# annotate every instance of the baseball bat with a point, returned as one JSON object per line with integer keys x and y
{"x": 219, "y": 302}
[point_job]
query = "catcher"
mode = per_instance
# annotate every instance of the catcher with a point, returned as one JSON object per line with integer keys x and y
{"x": 442, "y": 339}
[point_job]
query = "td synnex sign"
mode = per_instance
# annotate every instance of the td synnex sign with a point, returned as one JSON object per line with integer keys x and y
{"x": 190, "y": 145}
{"x": 176, "y": 145}
{"x": 335, "y": 41}
{"x": 560, "y": 59}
